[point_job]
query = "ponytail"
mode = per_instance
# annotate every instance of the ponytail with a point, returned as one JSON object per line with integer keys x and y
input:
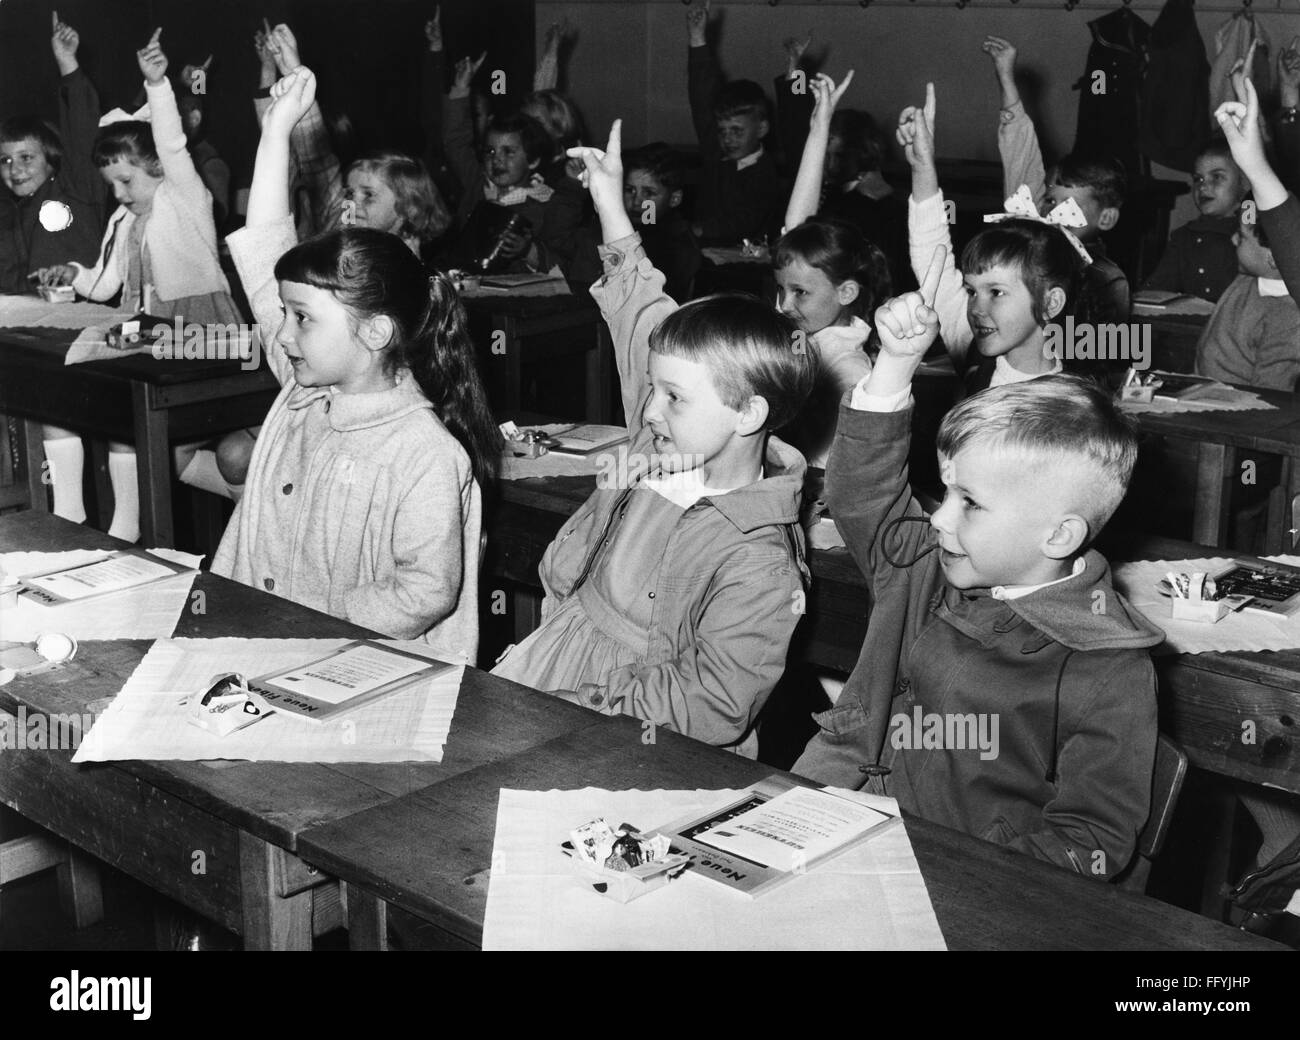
{"x": 441, "y": 357}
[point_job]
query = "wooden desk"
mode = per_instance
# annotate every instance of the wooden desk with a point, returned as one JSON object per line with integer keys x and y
{"x": 137, "y": 398}
{"x": 1220, "y": 437}
{"x": 1204, "y": 698}
{"x": 430, "y": 853}
{"x": 149, "y": 819}
{"x": 1174, "y": 338}
{"x": 504, "y": 325}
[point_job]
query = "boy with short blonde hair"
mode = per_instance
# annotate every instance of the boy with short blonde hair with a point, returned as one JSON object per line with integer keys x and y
{"x": 993, "y": 609}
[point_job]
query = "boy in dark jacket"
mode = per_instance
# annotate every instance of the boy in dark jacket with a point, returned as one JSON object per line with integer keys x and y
{"x": 741, "y": 191}
{"x": 1004, "y": 688}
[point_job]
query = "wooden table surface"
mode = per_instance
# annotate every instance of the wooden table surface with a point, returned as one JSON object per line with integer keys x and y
{"x": 104, "y": 808}
{"x": 430, "y": 853}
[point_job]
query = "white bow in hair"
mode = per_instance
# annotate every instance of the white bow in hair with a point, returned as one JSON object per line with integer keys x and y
{"x": 119, "y": 115}
{"x": 1064, "y": 215}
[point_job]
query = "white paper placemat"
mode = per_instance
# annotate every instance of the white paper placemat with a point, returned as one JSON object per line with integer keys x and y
{"x": 150, "y": 612}
{"x": 147, "y": 721}
{"x": 1241, "y": 630}
{"x": 870, "y": 897}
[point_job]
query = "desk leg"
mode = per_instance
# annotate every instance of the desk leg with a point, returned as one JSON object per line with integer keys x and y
{"x": 271, "y": 922}
{"x": 80, "y": 893}
{"x": 34, "y": 464}
{"x": 153, "y": 466}
{"x": 527, "y": 604}
{"x": 1215, "y": 473}
{"x": 367, "y": 920}
{"x": 599, "y": 406}
{"x": 512, "y": 362}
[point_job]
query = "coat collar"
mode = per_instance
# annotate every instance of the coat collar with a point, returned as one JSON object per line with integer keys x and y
{"x": 359, "y": 411}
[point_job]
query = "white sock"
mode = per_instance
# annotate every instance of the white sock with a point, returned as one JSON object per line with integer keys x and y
{"x": 202, "y": 472}
{"x": 126, "y": 496}
{"x": 66, "y": 459}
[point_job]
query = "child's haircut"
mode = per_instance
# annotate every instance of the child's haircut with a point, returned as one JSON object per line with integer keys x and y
{"x": 1043, "y": 254}
{"x": 371, "y": 272}
{"x": 664, "y": 164}
{"x": 1105, "y": 177}
{"x": 559, "y": 116}
{"x": 1053, "y": 420}
{"x": 130, "y": 141}
{"x": 1217, "y": 146}
{"x": 860, "y": 134}
{"x": 18, "y": 129}
{"x": 748, "y": 348}
{"x": 841, "y": 252}
{"x": 418, "y": 202}
{"x": 536, "y": 142}
{"x": 741, "y": 97}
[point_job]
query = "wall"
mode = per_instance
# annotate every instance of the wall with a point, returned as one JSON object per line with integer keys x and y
{"x": 630, "y": 59}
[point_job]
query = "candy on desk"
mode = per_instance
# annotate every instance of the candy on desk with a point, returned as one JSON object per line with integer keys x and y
{"x": 1137, "y": 387}
{"x": 226, "y": 704}
{"x": 1195, "y": 597}
{"x": 58, "y": 293}
{"x": 46, "y": 652}
{"x": 525, "y": 444}
{"x": 623, "y": 863}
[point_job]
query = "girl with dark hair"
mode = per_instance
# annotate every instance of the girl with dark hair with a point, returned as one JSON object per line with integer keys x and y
{"x": 363, "y": 496}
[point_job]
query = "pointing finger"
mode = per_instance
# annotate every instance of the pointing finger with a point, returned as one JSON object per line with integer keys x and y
{"x": 930, "y": 283}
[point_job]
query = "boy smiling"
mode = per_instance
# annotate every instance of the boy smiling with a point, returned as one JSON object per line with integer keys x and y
{"x": 994, "y": 606}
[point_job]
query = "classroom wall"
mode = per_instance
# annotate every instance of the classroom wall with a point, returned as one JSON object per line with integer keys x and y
{"x": 630, "y": 59}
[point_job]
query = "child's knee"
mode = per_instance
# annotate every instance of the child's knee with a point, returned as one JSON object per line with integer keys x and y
{"x": 234, "y": 454}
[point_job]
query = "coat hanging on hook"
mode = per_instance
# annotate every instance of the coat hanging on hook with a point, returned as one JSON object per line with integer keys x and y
{"x": 1175, "y": 92}
{"x": 1108, "y": 89}
{"x": 1232, "y": 42}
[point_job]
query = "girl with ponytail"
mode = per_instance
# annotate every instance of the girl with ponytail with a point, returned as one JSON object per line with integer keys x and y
{"x": 364, "y": 490}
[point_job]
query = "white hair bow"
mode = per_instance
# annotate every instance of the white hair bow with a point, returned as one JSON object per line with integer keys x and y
{"x": 118, "y": 115}
{"x": 1064, "y": 215}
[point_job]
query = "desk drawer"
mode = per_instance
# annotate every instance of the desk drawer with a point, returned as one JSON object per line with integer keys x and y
{"x": 164, "y": 842}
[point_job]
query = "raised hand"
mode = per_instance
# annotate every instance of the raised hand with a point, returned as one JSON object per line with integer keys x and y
{"x": 190, "y": 71}
{"x": 284, "y": 47}
{"x": 1003, "y": 54}
{"x": 1288, "y": 71}
{"x": 433, "y": 30}
{"x": 1240, "y": 123}
{"x": 916, "y": 131}
{"x": 697, "y": 22}
{"x": 794, "y": 50}
{"x": 602, "y": 171}
{"x": 153, "y": 62}
{"x": 291, "y": 97}
{"x": 908, "y": 325}
{"x": 64, "y": 41}
{"x": 466, "y": 69}
{"x": 826, "y": 95}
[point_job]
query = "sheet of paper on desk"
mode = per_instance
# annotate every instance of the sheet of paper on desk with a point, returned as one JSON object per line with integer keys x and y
{"x": 1241, "y": 630}
{"x": 145, "y": 613}
{"x": 870, "y": 897}
{"x": 148, "y": 721}
{"x": 33, "y": 312}
{"x": 552, "y": 283}
{"x": 1214, "y": 399}
{"x": 557, "y": 464}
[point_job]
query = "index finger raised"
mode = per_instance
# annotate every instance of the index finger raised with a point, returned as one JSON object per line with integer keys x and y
{"x": 930, "y": 283}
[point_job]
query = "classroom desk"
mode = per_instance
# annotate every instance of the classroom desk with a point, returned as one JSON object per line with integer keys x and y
{"x": 504, "y": 324}
{"x": 1174, "y": 338}
{"x": 1204, "y": 698}
{"x": 148, "y": 819}
{"x": 136, "y": 398}
{"x": 1220, "y": 438}
{"x": 430, "y": 853}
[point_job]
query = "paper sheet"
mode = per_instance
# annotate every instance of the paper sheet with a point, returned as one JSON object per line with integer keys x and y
{"x": 147, "y": 721}
{"x": 555, "y": 285}
{"x": 1233, "y": 400}
{"x": 33, "y": 312}
{"x": 870, "y": 897}
{"x": 1193, "y": 306}
{"x": 1137, "y": 581}
{"x": 92, "y": 345}
{"x": 145, "y": 613}
{"x": 553, "y": 464}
